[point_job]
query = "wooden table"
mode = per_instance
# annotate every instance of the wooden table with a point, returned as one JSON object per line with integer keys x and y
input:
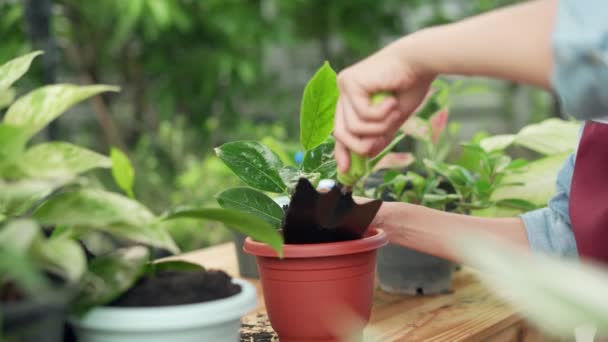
{"x": 470, "y": 313}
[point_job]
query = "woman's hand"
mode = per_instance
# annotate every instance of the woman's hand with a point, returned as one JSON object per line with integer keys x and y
{"x": 363, "y": 127}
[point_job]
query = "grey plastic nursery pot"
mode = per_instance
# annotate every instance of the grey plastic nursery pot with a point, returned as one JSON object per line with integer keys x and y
{"x": 42, "y": 319}
{"x": 405, "y": 271}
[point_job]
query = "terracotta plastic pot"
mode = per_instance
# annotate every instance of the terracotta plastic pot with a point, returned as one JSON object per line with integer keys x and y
{"x": 318, "y": 292}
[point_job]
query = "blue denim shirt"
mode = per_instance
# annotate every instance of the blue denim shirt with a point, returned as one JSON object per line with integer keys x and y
{"x": 580, "y": 79}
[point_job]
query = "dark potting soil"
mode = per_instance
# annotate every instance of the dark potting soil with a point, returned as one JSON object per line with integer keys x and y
{"x": 178, "y": 287}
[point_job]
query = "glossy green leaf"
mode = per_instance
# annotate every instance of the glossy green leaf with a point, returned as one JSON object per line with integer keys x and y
{"x": 12, "y": 70}
{"x": 254, "y": 163}
{"x": 278, "y": 147}
{"x": 321, "y": 160}
{"x": 92, "y": 209}
{"x": 60, "y": 159}
{"x": 38, "y": 108}
{"x": 173, "y": 265}
{"x": 122, "y": 171}
{"x": 318, "y": 107}
{"x": 237, "y": 220}
{"x": 557, "y": 295}
{"x": 254, "y": 202}
{"x": 110, "y": 276}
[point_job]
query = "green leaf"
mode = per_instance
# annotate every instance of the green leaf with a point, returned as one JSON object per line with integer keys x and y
{"x": 397, "y": 139}
{"x": 278, "y": 147}
{"x": 18, "y": 197}
{"x": 537, "y": 181}
{"x": 20, "y": 269}
{"x": 122, "y": 171}
{"x": 550, "y": 137}
{"x": 60, "y": 159}
{"x": 62, "y": 256}
{"x": 110, "y": 276}
{"x": 242, "y": 222}
{"x": 41, "y": 106}
{"x": 12, "y": 70}
{"x": 497, "y": 142}
{"x": 173, "y": 265}
{"x": 430, "y": 107}
{"x": 12, "y": 143}
{"x": 318, "y": 107}
{"x": 19, "y": 235}
{"x": 92, "y": 209}
{"x": 321, "y": 160}
{"x": 7, "y": 96}
{"x": 253, "y": 202}
{"x": 557, "y": 295}
{"x": 254, "y": 163}
{"x": 516, "y": 203}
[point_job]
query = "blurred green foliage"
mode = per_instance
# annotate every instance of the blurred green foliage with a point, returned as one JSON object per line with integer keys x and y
{"x": 195, "y": 74}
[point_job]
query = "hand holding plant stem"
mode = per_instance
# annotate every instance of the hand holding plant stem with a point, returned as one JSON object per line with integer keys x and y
{"x": 407, "y": 67}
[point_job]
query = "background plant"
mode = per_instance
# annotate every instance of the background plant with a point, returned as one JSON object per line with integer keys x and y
{"x": 50, "y": 206}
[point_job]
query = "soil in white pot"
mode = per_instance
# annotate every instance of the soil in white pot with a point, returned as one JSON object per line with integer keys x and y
{"x": 178, "y": 287}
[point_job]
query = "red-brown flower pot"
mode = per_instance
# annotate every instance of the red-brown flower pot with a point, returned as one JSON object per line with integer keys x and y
{"x": 318, "y": 291}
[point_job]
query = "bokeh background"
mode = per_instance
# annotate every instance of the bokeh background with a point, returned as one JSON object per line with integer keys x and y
{"x": 197, "y": 73}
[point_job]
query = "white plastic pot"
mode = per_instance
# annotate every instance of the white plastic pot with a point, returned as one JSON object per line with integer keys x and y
{"x": 218, "y": 321}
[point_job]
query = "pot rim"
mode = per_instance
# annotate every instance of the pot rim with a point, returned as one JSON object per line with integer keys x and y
{"x": 374, "y": 239}
{"x": 173, "y": 317}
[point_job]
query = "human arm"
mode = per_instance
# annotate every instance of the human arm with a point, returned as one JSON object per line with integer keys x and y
{"x": 427, "y": 230}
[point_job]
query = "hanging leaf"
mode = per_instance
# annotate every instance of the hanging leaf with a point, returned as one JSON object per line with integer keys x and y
{"x": 318, "y": 107}
{"x": 237, "y": 220}
{"x": 110, "y": 276}
{"x": 12, "y": 70}
{"x": 173, "y": 265}
{"x": 18, "y": 197}
{"x": 92, "y": 209}
{"x": 38, "y": 108}
{"x": 60, "y": 159}
{"x": 122, "y": 171}
{"x": 253, "y": 202}
{"x": 254, "y": 163}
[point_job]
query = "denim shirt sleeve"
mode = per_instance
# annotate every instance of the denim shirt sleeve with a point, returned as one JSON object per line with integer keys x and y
{"x": 580, "y": 51}
{"x": 549, "y": 229}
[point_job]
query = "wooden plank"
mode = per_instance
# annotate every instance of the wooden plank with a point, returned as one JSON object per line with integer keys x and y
{"x": 470, "y": 313}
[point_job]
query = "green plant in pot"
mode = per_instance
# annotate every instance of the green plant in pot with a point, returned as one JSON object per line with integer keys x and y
{"x": 483, "y": 181}
{"x": 50, "y": 212}
{"x": 317, "y": 291}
